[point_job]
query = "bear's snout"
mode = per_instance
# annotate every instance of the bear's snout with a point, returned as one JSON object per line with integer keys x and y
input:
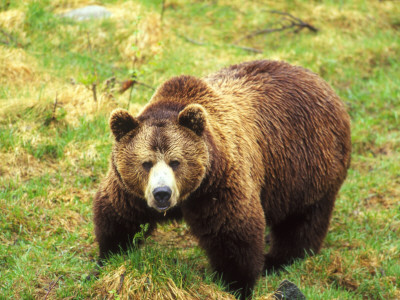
{"x": 161, "y": 192}
{"x": 162, "y": 196}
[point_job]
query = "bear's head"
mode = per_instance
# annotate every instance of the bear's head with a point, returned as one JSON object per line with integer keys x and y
{"x": 162, "y": 157}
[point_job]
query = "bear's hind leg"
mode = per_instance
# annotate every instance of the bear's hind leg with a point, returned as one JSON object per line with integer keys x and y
{"x": 299, "y": 234}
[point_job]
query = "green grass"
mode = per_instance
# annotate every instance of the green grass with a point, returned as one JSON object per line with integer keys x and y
{"x": 55, "y": 142}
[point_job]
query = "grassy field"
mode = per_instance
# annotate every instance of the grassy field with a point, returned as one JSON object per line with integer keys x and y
{"x": 55, "y": 142}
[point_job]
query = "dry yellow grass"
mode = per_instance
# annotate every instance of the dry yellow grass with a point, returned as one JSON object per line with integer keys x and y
{"x": 140, "y": 31}
{"x": 17, "y": 67}
{"x": 22, "y": 165}
{"x": 12, "y": 20}
{"x": 128, "y": 285}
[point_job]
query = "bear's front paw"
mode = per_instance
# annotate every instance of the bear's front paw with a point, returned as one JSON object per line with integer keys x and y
{"x": 272, "y": 265}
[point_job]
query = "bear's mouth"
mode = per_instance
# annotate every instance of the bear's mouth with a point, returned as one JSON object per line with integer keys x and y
{"x": 162, "y": 208}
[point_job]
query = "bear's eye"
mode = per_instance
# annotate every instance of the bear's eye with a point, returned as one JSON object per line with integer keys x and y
{"x": 174, "y": 164}
{"x": 147, "y": 165}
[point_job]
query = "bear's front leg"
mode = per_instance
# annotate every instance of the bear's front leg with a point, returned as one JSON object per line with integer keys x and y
{"x": 114, "y": 233}
{"x": 238, "y": 255}
{"x": 234, "y": 243}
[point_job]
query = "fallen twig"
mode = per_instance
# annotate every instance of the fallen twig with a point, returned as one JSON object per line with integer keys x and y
{"x": 145, "y": 85}
{"x": 294, "y": 22}
{"x": 9, "y": 38}
{"x": 254, "y": 50}
{"x": 299, "y": 23}
{"x": 51, "y": 286}
{"x": 193, "y": 41}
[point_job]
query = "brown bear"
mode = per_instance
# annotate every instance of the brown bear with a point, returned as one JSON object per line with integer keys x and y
{"x": 255, "y": 144}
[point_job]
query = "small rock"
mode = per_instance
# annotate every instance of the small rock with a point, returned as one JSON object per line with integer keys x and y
{"x": 288, "y": 291}
{"x": 87, "y": 12}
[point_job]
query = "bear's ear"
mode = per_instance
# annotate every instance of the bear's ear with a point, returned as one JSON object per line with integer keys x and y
{"x": 194, "y": 117}
{"x": 121, "y": 122}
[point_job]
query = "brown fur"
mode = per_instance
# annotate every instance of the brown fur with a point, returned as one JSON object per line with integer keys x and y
{"x": 261, "y": 143}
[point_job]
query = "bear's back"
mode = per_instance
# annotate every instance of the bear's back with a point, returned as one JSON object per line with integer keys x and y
{"x": 293, "y": 117}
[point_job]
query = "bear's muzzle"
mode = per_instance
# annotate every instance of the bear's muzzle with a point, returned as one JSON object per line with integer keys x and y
{"x": 161, "y": 192}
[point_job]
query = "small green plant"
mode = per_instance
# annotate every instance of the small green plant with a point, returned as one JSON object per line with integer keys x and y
{"x": 140, "y": 236}
{"x": 115, "y": 295}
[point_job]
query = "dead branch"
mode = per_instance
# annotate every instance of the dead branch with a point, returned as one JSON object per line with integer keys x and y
{"x": 145, "y": 85}
{"x": 297, "y": 22}
{"x": 9, "y": 38}
{"x": 6, "y": 34}
{"x": 232, "y": 45}
{"x": 192, "y": 41}
{"x": 249, "y": 49}
{"x": 294, "y": 22}
{"x": 51, "y": 286}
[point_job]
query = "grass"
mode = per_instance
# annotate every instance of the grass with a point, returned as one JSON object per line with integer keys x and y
{"x": 55, "y": 141}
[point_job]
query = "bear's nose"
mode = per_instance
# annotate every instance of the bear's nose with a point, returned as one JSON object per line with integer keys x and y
{"x": 162, "y": 195}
